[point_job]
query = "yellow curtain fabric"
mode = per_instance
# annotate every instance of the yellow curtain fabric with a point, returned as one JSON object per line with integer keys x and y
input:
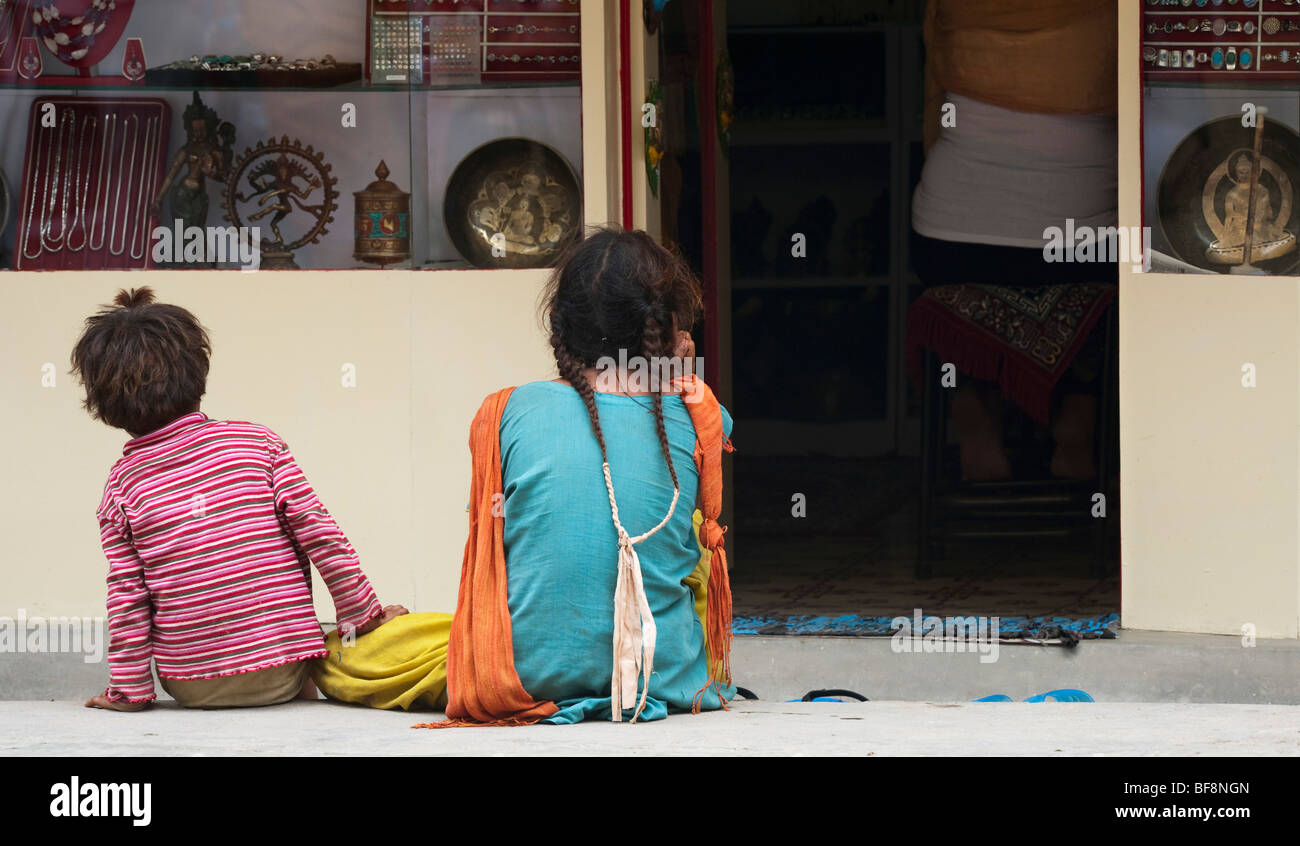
{"x": 1043, "y": 56}
{"x": 401, "y": 664}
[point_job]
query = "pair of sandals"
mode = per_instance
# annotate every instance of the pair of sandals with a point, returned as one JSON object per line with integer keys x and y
{"x": 1064, "y": 694}
{"x": 810, "y": 696}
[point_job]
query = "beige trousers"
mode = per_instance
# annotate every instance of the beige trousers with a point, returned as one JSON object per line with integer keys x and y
{"x": 271, "y": 686}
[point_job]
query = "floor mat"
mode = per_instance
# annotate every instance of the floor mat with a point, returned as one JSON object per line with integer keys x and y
{"x": 855, "y": 585}
{"x": 845, "y": 567}
{"x": 1041, "y": 628}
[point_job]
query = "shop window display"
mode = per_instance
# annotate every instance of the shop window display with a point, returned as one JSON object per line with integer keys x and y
{"x": 1221, "y": 148}
{"x": 331, "y": 134}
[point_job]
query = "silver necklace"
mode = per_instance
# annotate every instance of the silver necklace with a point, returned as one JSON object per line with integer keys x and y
{"x": 140, "y": 238}
{"x": 101, "y": 215}
{"x": 51, "y": 200}
{"x": 5, "y": 13}
{"x": 33, "y": 208}
{"x": 113, "y": 249}
{"x": 65, "y": 172}
{"x": 5, "y": 200}
{"x": 82, "y": 186}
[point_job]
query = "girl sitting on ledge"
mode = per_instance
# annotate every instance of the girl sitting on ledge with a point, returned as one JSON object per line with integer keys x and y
{"x": 581, "y": 533}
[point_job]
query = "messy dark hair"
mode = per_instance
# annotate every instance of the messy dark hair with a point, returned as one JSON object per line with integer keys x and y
{"x": 615, "y": 291}
{"x": 143, "y": 364}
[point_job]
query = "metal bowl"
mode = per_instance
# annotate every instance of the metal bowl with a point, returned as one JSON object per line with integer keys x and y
{"x": 512, "y": 203}
{"x": 1201, "y": 199}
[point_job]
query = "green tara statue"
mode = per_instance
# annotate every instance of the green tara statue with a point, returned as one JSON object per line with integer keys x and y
{"x": 206, "y": 154}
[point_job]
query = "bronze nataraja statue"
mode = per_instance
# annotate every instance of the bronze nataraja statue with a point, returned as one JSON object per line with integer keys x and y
{"x": 283, "y": 176}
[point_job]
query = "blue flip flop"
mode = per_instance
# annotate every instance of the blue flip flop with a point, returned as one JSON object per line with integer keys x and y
{"x": 1065, "y": 694}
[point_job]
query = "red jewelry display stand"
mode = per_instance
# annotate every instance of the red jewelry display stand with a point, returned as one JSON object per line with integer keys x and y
{"x": 15, "y": 21}
{"x": 93, "y": 167}
{"x": 63, "y": 42}
{"x": 1222, "y": 43}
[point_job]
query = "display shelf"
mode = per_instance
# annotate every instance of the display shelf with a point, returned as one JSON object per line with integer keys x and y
{"x": 847, "y": 132}
{"x": 293, "y": 166}
{"x": 487, "y": 40}
{"x": 1208, "y": 43}
{"x": 114, "y": 84}
{"x": 802, "y": 283}
{"x": 780, "y": 132}
{"x": 1221, "y": 137}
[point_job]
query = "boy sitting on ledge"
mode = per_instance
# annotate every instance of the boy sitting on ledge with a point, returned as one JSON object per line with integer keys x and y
{"x": 207, "y": 526}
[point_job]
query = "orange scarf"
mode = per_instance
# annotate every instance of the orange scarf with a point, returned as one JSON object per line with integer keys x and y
{"x": 710, "y": 441}
{"x": 482, "y": 683}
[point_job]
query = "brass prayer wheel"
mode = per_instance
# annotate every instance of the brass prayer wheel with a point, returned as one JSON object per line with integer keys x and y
{"x": 383, "y": 213}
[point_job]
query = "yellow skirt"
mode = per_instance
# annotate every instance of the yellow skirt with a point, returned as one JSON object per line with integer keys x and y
{"x": 401, "y": 664}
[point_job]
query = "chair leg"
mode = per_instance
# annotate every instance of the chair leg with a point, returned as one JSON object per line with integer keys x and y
{"x": 1105, "y": 445}
{"x": 931, "y": 429}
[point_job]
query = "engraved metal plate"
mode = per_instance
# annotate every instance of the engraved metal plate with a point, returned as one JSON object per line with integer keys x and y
{"x": 513, "y": 202}
{"x": 1203, "y": 197}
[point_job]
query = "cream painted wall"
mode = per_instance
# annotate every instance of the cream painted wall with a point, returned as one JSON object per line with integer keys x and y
{"x": 389, "y": 458}
{"x": 1210, "y": 487}
{"x": 1211, "y": 470}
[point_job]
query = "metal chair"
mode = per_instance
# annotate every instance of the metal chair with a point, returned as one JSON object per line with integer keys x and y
{"x": 951, "y": 509}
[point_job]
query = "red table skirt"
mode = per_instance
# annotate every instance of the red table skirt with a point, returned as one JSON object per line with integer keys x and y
{"x": 1022, "y": 339}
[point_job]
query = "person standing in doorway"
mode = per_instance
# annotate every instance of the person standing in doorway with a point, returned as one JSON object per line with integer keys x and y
{"x": 1020, "y": 136}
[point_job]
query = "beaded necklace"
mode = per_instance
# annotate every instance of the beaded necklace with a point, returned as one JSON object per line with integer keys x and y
{"x": 71, "y": 40}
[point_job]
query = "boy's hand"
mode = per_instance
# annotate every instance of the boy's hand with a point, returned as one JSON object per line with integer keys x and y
{"x": 391, "y": 612}
{"x": 102, "y": 701}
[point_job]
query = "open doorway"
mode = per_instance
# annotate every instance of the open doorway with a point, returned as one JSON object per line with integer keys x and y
{"x": 840, "y": 530}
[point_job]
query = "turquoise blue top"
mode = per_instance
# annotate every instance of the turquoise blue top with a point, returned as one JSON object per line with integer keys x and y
{"x": 562, "y": 549}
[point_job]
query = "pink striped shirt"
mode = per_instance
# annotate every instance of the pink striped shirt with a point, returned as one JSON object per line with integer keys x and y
{"x": 208, "y": 526}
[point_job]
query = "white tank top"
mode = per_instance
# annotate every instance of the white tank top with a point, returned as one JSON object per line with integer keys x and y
{"x": 1002, "y": 177}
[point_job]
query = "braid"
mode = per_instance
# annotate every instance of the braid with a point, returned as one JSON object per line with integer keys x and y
{"x": 618, "y": 291}
{"x": 575, "y": 373}
{"x": 573, "y": 369}
{"x": 658, "y": 400}
{"x": 654, "y": 348}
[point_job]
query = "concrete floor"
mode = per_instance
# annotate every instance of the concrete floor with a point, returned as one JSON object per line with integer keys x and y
{"x": 61, "y": 728}
{"x": 1137, "y": 667}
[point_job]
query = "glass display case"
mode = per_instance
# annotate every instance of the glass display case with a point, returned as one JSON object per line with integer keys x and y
{"x": 312, "y": 134}
{"x": 1220, "y": 142}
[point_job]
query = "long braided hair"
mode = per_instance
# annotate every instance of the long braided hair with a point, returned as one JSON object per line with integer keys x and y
{"x": 615, "y": 291}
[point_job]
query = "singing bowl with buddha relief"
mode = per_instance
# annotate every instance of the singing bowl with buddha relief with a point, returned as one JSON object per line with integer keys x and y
{"x": 1202, "y": 197}
{"x": 512, "y": 203}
